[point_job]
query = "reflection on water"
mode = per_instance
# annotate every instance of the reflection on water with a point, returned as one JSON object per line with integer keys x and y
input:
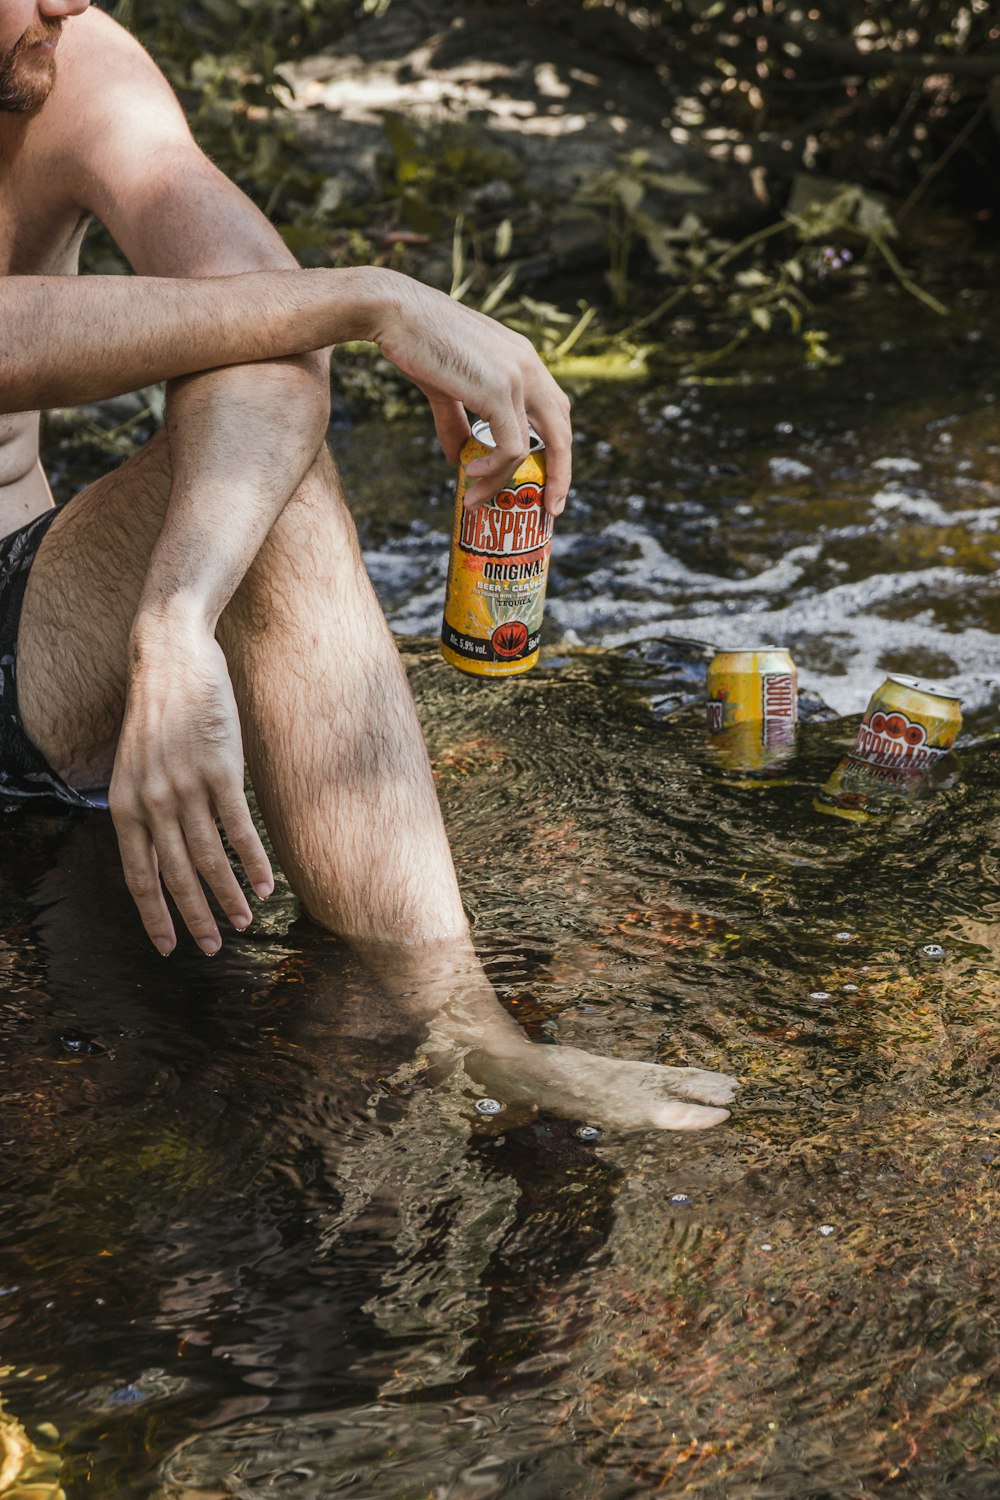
{"x": 249, "y": 1247}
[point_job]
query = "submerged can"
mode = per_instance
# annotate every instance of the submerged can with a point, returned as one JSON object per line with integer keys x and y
{"x": 498, "y": 568}
{"x": 907, "y": 729}
{"x": 752, "y": 686}
{"x": 758, "y": 749}
{"x": 859, "y": 791}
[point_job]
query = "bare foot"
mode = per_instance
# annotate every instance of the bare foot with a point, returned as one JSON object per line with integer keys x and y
{"x": 446, "y": 987}
{"x": 603, "y": 1090}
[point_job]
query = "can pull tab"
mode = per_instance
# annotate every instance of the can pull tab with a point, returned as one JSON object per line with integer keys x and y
{"x": 483, "y": 433}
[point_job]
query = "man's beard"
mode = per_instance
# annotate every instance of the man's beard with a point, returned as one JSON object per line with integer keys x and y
{"x": 26, "y": 78}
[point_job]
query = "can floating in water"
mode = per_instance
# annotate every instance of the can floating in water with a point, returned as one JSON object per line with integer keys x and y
{"x": 752, "y": 708}
{"x": 750, "y": 686}
{"x": 907, "y": 726}
{"x": 906, "y": 731}
{"x": 498, "y": 568}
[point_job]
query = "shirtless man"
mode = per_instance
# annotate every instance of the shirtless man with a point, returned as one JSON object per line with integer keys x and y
{"x": 207, "y": 600}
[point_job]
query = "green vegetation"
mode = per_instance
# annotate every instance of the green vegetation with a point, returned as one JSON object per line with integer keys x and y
{"x": 871, "y": 109}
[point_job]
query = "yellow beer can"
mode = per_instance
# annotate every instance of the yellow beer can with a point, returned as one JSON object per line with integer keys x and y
{"x": 750, "y": 686}
{"x": 907, "y": 729}
{"x": 907, "y": 725}
{"x": 498, "y": 568}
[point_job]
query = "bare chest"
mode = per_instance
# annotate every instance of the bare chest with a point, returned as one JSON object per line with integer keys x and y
{"x": 37, "y": 236}
{"x": 40, "y": 235}
{"x": 41, "y": 227}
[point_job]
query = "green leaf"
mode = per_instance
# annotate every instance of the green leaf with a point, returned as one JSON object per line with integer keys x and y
{"x": 873, "y": 217}
{"x": 629, "y": 192}
{"x": 676, "y": 182}
{"x": 659, "y": 240}
{"x": 497, "y": 292}
{"x": 399, "y": 135}
{"x": 704, "y": 10}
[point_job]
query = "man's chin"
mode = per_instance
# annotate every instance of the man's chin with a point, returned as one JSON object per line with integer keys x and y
{"x": 27, "y": 85}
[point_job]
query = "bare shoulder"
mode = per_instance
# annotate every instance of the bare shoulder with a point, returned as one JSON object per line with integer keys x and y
{"x": 119, "y": 149}
{"x": 109, "y": 97}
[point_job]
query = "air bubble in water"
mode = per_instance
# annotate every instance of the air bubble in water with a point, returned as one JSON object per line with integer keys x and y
{"x": 588, "y": 1133}
{"x": 933, "y": 950}
{"x": 489, "y": 1106}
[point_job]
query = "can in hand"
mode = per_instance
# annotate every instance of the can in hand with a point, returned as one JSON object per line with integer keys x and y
{"x": 498, "y": 569}
{"x": 907, "y": 729}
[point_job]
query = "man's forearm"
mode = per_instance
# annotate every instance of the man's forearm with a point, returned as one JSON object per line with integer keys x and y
{"x": 67, "y": 339}
{"x": 241, "y": 439}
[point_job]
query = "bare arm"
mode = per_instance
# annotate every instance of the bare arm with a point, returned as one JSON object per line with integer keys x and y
{"x": 67, "y": 339}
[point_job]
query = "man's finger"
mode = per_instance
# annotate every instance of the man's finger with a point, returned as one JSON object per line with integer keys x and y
{"x": 554, "y": 428}
{"x": 210, "y": 861}
{"x": 451, "y": 425}
{"x": 142, "y": 877}
{"x": 181, "y": 879}
{"x": 512, "y": 440}
{"x": 234, "y": 815}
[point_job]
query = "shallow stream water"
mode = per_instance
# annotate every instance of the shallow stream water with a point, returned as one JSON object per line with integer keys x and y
{"x": 247, "y": 1249}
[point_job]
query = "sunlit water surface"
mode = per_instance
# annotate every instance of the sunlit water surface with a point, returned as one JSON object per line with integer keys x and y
{"x": 246, "y": 1249}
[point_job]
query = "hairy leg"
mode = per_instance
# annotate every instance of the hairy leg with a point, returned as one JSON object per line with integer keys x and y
{"x": 331, "y": 735}
{"x": 337, "y": 762}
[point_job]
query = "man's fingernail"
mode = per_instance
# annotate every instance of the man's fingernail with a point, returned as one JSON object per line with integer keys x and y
{"x": 163, "y": 945}
{"x": 209, "y": 945}
{"x": 240, "y": 920}
{"x": 263, "y": 890}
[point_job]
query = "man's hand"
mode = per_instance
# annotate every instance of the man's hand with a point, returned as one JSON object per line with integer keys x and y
{"x": 460, "y": 358}
{"x": 178, "y": 767}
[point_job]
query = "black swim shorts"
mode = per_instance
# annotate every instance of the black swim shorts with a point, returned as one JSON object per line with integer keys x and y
{"x": 24, "y": 771}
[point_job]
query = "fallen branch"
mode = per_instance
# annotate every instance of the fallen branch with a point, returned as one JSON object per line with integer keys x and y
{"x": 880, "y": 59}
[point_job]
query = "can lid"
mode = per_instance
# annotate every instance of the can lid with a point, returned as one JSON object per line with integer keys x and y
{"x": 747, "y": 650}
{"x": 921, "y": 687}
{"x": 482, "y": 433}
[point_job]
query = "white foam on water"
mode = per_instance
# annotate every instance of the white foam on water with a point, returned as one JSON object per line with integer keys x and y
{"x": 917, "y": 505}
{"x": 842, "y": 633}
{"x": 839, "y": 624}
{"x": 409, "y": 574}
{"x": 652, "y": 567}
{"x": 788, "y": 468}
{"x": 897, "y": 465}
